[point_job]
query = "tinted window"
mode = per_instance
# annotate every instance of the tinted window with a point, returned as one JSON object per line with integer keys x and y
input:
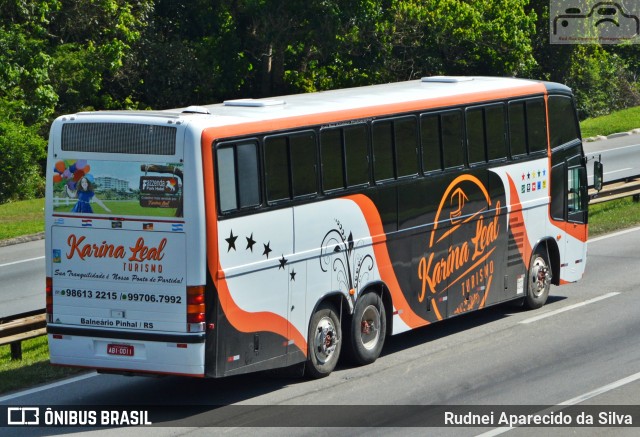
{"x": 536, "y": 125}
{"x": 382, "y": 141}
{"x": 451, "y": 124}
{"x": 248, "y": 179}
{"x": 238, "y": 177}
{"x": 430, "y": 138}
{"x": 357, "y": 155}
{"x": 332, "y": 159}
{"x": 517, "y": 129}
{"x": 276, "y": 162}
{"x": 406, "y": 142}
{"x": 563, "y": 124}
{"x": 475, "y": 136}
{"x": 303, "y": 163}
{"x": 495, "y": 132}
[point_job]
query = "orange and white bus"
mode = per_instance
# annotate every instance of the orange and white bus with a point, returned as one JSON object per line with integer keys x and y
{"x": 263, "y": 233}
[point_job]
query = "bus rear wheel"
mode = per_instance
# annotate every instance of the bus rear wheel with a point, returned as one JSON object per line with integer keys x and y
{"x": 368, "y": 329}
{"x": 325, "y": 341}
{"x": 538, "y": 280}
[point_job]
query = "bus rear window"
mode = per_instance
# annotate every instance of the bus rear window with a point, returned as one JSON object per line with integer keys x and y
{"x": 143, "y": 139}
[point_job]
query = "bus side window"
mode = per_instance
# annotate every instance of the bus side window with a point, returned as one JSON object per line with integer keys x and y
{"x": 357, "y": 154}
{"x": 304, "y": 163}
{"x": 536, "y": 125}
{"x": 238, "y": 180}
{"x": 276, "y": 161}
{"x": 517, "y": 129}
{"x": 406, "y": 142}
{"x": 563, "y": 123}
{"x": 382, "y": 142}
{"x": 430, "y": 140}
{"x": 451, "y": 123}
{"x": 332, "y": 156}
{"x": 225, "y": 160}
{"x": 557, "y": 191}
{"x": 495, "y": 131}
{"x": 475, "y": 136}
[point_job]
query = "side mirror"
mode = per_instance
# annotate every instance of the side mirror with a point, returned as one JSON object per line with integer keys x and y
{"x": 598, "y": 173}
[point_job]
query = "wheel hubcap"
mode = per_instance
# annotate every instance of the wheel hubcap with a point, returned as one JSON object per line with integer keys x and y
{"x": 325, "y": 340}
{"x": 540, "y": 277}
{"x": 370, "y": 327}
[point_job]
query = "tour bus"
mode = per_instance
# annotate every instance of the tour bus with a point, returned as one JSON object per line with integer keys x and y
{"x": 257, "y": 234}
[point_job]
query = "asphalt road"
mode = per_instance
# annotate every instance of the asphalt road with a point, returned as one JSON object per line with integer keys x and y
{"x": 22, "y": 278}
{"x": 579, "y": 349}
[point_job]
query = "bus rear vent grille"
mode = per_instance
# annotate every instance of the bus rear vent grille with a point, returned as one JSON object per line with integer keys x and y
{"x": 143, "y": 139}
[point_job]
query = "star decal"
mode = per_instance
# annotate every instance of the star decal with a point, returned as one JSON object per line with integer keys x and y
{"x": 293, "y": 275}
{"x": 231, "y": 241}
{"x": 267, "y": 249}
{"x": 250, "y": 242}
{"x": 283, "y": 262}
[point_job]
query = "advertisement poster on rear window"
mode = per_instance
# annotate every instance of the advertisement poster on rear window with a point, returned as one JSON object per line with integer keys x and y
{"x": 116, "y": 187}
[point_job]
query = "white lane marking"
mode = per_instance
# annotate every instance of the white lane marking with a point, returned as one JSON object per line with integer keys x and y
{"x": 568, "y": 308}
{"x": 47, "y": 387}
{"x": 616, "y": 171}
{"x": 615, "y": 234}
{"x": 22, "y": 261}
{"x": 574, "y": 401}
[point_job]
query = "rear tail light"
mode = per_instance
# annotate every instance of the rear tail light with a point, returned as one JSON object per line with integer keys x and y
{"x": 49, "y": 298}
{"x": 195, "y": 309}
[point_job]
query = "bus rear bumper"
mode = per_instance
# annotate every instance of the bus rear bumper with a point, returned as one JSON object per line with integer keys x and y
{"x": 127, "y": 355}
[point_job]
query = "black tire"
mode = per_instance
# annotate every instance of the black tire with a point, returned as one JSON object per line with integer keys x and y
{"x": 324, "y": 341}
{"x": 538, "y": 280}
{"x": 368, "y": 329}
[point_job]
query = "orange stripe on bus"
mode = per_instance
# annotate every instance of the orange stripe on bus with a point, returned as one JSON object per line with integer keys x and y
{"x": 243, "y": 321}
{"x": 387, "y": 274}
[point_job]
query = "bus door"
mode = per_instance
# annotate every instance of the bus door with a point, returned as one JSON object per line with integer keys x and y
{"x": 569, "y": 207}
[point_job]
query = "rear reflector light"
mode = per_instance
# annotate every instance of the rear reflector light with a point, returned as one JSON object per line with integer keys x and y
{"x": 49, "y": 298}
{"x": 195, "y": 309}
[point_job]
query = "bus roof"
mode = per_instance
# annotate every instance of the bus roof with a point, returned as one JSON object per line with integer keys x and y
{"x": 378, "y": 99}
{"x": 340, "y": 105}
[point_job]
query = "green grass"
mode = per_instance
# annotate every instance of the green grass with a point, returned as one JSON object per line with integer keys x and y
{"x": 620, "y": 121}
{"x": 613, "y": 216}
{"x": 33, "y": 369}
{"x": 21, "y": 218}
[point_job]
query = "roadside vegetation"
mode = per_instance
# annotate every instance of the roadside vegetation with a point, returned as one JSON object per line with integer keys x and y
{"x": 25, "y": 217}
{"x": 619, "y": 121}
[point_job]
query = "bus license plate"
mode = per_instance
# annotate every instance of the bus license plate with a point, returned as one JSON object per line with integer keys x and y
{"x": 120, "y": 349}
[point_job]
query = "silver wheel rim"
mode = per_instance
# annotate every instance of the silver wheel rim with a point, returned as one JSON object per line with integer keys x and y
{"x": 325, "y": 340}
{"x": 540, "y": 277}
{"x": 370, "y": 327}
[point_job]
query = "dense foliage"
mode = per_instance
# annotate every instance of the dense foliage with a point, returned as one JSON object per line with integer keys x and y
{"x": 62, "y": 56}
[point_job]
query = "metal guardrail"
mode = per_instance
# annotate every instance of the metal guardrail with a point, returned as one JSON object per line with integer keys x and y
{"x": 616, "y": 190}
{"x": 19, "y": 327}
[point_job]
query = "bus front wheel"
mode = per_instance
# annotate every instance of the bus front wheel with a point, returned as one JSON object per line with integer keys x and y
{"x": 368, "y": 329}
{"x": 325, "y": 341}
{"x": 538, "y": 280}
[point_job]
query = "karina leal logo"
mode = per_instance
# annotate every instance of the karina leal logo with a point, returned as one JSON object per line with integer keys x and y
{"x": 594, "y": 22}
